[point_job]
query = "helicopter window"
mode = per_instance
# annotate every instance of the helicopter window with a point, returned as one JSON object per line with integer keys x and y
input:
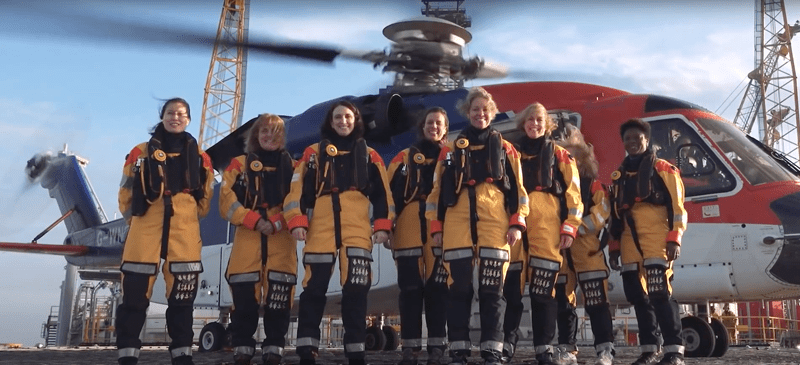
{"x": 702, "y": 172}
{"x": 755, "y": 165}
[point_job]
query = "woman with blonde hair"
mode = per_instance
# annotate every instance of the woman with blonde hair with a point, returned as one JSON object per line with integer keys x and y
{"x": 262, "y": 268}
{"x": 477, "y": 210}
{"x": 551, "y": 179}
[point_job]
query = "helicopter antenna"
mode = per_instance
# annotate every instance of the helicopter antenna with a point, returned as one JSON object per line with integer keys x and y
{"x": 770, "y": 102}
{"x": 223, "y": 99}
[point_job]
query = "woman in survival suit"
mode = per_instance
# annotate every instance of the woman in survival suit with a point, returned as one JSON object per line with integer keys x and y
{"x": 339, "y": 179}
{"x": 477, "y": 210}
{"x": 420, "y": 273}
{"x": 263, "y": 265}
{"x": 166, "y": 188}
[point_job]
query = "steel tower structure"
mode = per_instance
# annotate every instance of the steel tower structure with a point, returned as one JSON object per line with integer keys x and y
{"x": 223, "y": 100}
{"x": 770, "y": 102}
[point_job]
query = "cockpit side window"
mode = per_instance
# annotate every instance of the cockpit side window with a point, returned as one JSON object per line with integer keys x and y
{"x": 756, "y": 166}
{"x": 702, "y": 172}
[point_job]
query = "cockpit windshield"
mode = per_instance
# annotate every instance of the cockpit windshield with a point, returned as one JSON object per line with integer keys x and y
{"x": 755, "y": 164}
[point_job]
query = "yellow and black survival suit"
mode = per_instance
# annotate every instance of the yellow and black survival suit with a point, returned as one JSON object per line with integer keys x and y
{"x": 551, "y": 179}
{"x": 647, "y": 212}
{"x": 477, "y": 195}
{"x": 585, "y": 265}
{"x": 333, "y": 186}
{"x": 166, "y": 187}
{"x": 261, "y": 269}
{"x": 421, "y": 275}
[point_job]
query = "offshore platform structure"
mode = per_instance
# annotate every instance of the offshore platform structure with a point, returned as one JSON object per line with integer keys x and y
{"x": 770, "y": 101}
{"x": 223, "y": 99}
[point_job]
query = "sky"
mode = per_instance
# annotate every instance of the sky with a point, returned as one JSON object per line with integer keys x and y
{"x": 99, "y": 96}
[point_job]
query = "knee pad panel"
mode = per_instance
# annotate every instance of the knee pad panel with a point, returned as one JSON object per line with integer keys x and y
{"x": 359, "y": 269}
{"x": 184, "y": 286}
{"x": 490, "y": 273}
{"x": 594, "y": 292}
{"x": 543, "y": 276}
{"x": 279, "y": 292}
{"x": 657, "y": 285}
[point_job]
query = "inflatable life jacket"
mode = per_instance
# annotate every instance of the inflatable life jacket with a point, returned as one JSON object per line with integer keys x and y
{"x": 413, "y": 181}
{"x": 471, "y": 165}
{"x": 336, "y": 172}
{"x": 539, "y": 169}
{"x": 638, "y": 184}
{"x": 264, "y": 183}
{"x": 419, "y": 181}
{"x": 155, "y": 178}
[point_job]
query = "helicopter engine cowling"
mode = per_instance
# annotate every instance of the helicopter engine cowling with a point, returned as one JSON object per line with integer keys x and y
{"x": 384, "y": 116}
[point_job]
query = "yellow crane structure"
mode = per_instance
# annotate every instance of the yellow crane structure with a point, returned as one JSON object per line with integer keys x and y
{"x": 770, "y": 101}
{"x": 223, "y": 99}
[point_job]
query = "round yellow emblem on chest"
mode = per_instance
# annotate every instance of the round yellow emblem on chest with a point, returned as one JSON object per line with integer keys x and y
{"x": 419, "y": 158}
{"x": 616, "y": 175}
{"x": 462, "y": 143}
{"x": 331, "y": 150}
{"x": 159, "y": 155}
{"x": 256, "y": 166}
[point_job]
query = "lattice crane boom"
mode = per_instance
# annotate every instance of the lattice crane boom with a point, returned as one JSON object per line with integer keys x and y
{"x": 223, "y": 100}
{"x": 770, "y": 102}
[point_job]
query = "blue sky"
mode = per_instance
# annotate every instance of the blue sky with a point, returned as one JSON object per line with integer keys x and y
{"x": 101, "y": 96}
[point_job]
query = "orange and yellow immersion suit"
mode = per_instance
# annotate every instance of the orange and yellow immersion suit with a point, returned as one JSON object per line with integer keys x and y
{"x": 166, "y": 187}
{"x": 585, "y": 265}
{"x": 647, "y": 213}
{"x": 551, "y": 179}
{"x": 421, "y": 276}
{"x": 477, "y": 195}
{"x": 261, "y": 269}
{"x": 336, "y": 176}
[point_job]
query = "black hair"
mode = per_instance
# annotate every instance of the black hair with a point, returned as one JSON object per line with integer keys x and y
{"x": 175, "y": 100}
{"x": 636, "y": 123}
{"x": 358, "y": 125}
{"x": 429, "y": 111}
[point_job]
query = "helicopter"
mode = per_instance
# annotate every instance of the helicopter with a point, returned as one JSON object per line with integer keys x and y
{"x": 733, "y": 255}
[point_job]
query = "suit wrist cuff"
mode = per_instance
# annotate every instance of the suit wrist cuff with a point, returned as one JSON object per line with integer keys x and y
{"x": 518, "y": 221}
{"x": 278, "y": 223}
{"x": 436, "y": 226}
{"x": 382, "y": 224}
{"x": 674, "y": 236}
{"x": 569, "y": 230}
{"x": 300, "y": 221}
{"x": 250, "y": 220}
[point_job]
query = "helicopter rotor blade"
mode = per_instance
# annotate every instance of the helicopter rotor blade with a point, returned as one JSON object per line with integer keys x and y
{"x": 491, "y": 70}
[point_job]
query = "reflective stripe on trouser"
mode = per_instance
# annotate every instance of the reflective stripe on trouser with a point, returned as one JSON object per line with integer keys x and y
{"x": 414, "y": 294}
{"x": 544, "y": 308}
{"x": 355, "y": 263}
{"x": 128, "y": 352}
{"x": 645, "y": 314}
{"x": 243, "y": 352}
{"x": 180, "y": 351}
{"x": 181, "y": 284}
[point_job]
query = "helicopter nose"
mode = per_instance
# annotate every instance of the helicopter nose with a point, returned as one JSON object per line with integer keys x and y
{"x": 785, "y": 266}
